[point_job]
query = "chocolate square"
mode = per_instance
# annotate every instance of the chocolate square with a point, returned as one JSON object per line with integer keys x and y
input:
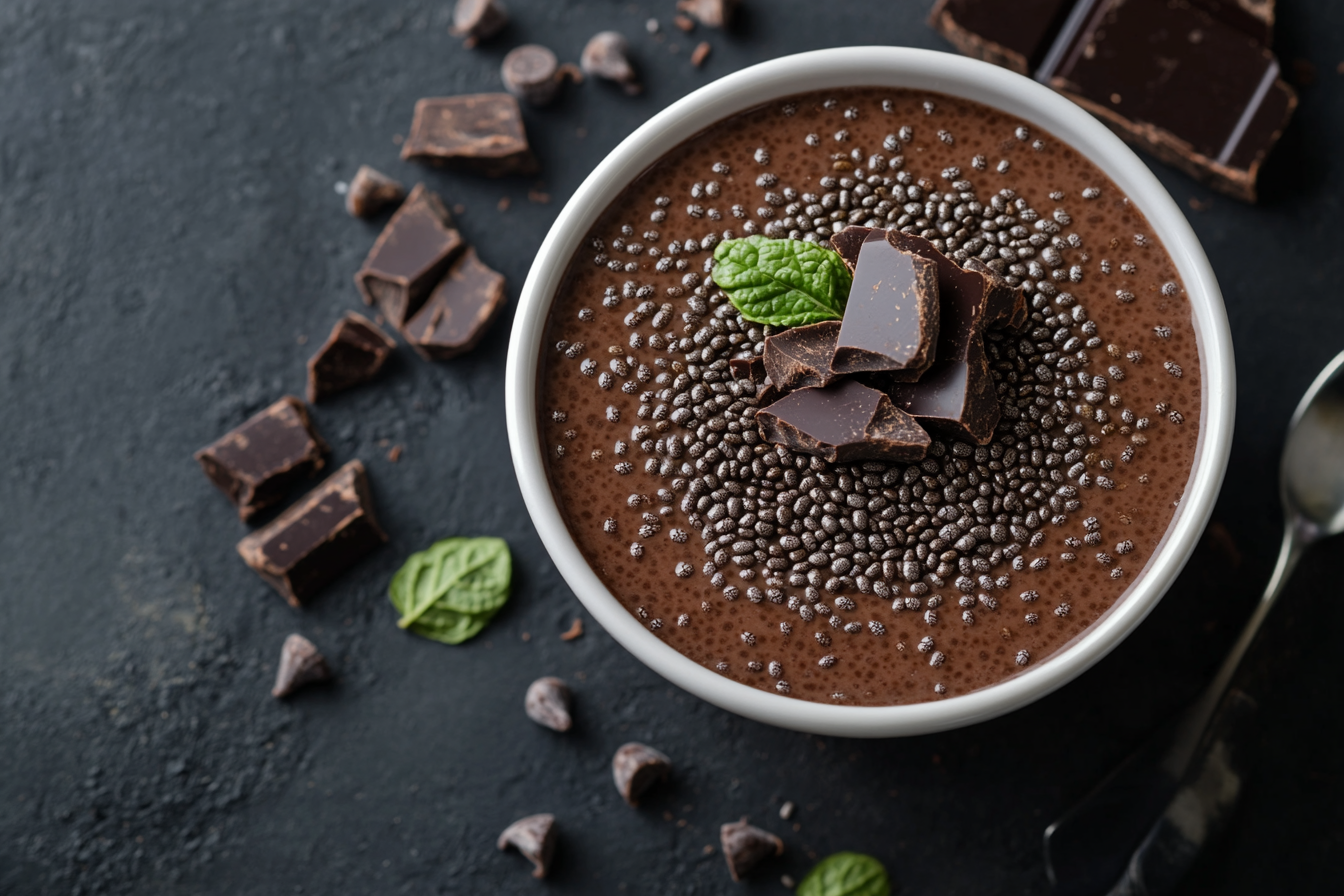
{"x": 459, "y": 311}
{"x": 354, "y": 353}
{"x": 482, "y": 133}
{"x": 891, "y": 317}
{"x": 843, "y": 423}
{"x": 409, "y": 257}
{"x": 256, "y": 464}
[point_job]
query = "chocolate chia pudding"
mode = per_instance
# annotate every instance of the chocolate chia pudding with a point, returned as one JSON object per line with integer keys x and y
{"x": 872, "y": 578}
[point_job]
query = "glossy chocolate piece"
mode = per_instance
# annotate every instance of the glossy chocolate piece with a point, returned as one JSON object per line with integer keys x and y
{"x": 534, "y": 837}
{"x": 801, "y": 357}
{"x": 1015, "y": 35}
{"x": 849, "y": 242}
{"x": 891, "y": 316}
{"x": 370, "y": 192}
{"x": 745, "y": 846}
{"x": 320, "y": 537}
{"x": 300, "y": 664}
{"x": 482, "y": 133}
{"x": 257, "y": 464}
{"x": 459, "y": 311}
{"x": 409, "y": 257}
{"x": 354, "y": 353}
{"x": 843, "y": 423}
{"x": 752, "y": 369}
{"x": 954, "y": 398}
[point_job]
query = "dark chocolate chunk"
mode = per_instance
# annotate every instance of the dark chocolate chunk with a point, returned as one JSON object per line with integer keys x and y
{"x": 1014, "y": 35}
{"x": 547, "y": 703}
{"x": 955, "y": 398}
{"x": 843, "y": 423}
{"x": 534, "y": 837}
{"x": 256, "y": 464}
{"x": 320, "y": 537}
{"x": 710, "y": 13}
{"x": 744, "y": 846}
{"x": 409, "y": 257}
{"x": 752, "y": 369}
{"x": 458, "y": 312}
{"x": 636, "y": 768}
{"x": 607, "y": 55}
{"x": 848, "y": 242}
{"x": 482, "y": 133}
{"x": 354, "y": 353}
{"x": 891, "y": 316}
{"x": 531, "y": 72}
{"x": 476, "y": 20}
{"x": 801, "y": 356}
{"x": 370, "y": 192}
{"x": 300, "y": 664}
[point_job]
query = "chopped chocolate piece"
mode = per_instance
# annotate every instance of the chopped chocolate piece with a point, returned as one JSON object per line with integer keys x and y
{"x": 970, "y": 300}
{"x": 1013, "y": 35}
{"x": 955, "y": 398}
{"x": 547, "y": 703}
{"x": 477, "y": 20}
{"x": 458, "y": 312}
{"x": 848, "y": 242}
{"x": 409, "y": 257}
{"x": 1195, "y": 91}
{"x": 370, "y": 192}
{"x": 354, "y": 353}
{"x": 256, "y": 464}
{"x": 752, "y": 368}
{"x": 843, "y": 423}
{"x": 531, "y": 72}
{"x": 311, "y": 543}
{"x": 534, "y": 837}
{"x": 300, "y": 664}
{"x": 801, "y": 356}
{"x": 1002, "y": 296}
{"x": 891, "y": 316}
{"x": 710, "y": 13}
{"x": 607, "y": 55}
{"x": 744, "y": 846}
{"x": 636, "y": 768}
{"x": 482, "y": 133}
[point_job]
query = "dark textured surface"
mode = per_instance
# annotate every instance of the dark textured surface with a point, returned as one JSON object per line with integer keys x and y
{"x": 169, "y": 232}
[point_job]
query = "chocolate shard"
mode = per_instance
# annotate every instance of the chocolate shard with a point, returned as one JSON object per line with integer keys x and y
{"x": 710, "y": 13}
{"x": 1006, "y": 305}
{"x": 635, "y": 768}
{"x": 409, "y": 256}
{"x": 535, "y": 837}
{"x": 547, "y": 703}
{"x": 458, "y": 312}
{"x": 256, "y": 464}
{"x": 476, "y": 20}
{"x": 843, "y": 423}
{"x": 752, "y": 369}
{"x": 317, "y": 539}
{"x": 607, "y": 55}
{"x": 300, "y": 664}
{"x": 801, "y": 356}
{"x": 482, "y": 133}
{"x": 354, "y": 353}
{"x": 370, "y": 192}
{"x": 744, "y": 846}
{"x": 1014, "y": 35}
{"x": 532, "y": 73}
{"x": 849, "y": 242}
{"x": 955, "y": 398}
{"x": 891, "y": 316}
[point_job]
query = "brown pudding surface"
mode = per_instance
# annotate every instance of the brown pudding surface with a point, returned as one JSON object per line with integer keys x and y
{"x": 1115, "y": 478}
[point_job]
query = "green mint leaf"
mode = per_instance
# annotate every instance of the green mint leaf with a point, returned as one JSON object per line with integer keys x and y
{"x": 846, "y": 874}
{"x": 785, "y": 283}
{"x": 451, "y": 590}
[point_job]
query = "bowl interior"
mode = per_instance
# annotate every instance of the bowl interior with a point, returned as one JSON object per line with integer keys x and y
{"x": 879, "y": 67}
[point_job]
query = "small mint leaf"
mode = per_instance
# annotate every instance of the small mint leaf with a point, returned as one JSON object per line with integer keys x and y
{"x": 450, "y": 591}
{"x": 846, "y": 874}
{"x": 784, "y": 283}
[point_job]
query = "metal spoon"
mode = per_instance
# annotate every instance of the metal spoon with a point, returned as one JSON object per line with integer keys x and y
{"x": 1142, "y": 827}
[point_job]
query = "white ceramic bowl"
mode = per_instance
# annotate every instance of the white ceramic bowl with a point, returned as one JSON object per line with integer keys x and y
{"x": 878, "y": 67}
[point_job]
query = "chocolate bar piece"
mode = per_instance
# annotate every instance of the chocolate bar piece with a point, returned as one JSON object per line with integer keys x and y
{"x": 409, "y": 257}
{"x": 354, "y": 353}
{"x": 843, "y": 423}
{"x": 891, "y": 316}
{"x": 459, "y": 311}
{"x": 955, "y": 398}
{"x": 752, "y": 369}
{"x": 849, "y": 242}
{"x": 256, "y": 464}
{"x": 1014, "y": 35}
{"x": 481, "y": 132}
{"x": 801, "y": 356}
{"x": 320, "y": 537}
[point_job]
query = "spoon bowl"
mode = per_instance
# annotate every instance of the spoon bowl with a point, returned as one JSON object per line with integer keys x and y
{"x": 1312, "y": 474}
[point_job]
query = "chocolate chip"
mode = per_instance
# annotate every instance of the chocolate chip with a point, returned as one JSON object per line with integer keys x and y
{"x": 744, "y": 846}
{"x": 606, "y": 55}
{"x": 354, "y": 353}
{"x": 636, "y": 768}
{"x": 547, "y": 703}
{"x": 458, "y": 312}
{"x": 370, "y": 192}
{"x": 535, "y": 837}
{"x": 710, "y": 13}
{"x": 801, "y": 357}
{"x": 409, "y": 257}
{"x": 482, "y": 133}
{"x": 477, "y": 20}
{"x": 842, "y": 424}
{"x": 531, "y": 72}
{"x": 300, "y": 664}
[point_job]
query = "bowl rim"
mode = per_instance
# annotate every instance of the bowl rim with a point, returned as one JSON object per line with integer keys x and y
{"x": 896, "y": 67}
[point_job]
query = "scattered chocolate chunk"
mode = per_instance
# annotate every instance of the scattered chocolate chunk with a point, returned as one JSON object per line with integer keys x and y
{"x": 370, "y": 192}
{"x": 534, "y": 837}
{"x": 256, "y": 464}
{"x": 710, "y": 13}
{"x": 744, "y": 846}
{"x": 891, "y": 317}
{"x": 482, "y": 133}
{"x": 300, "y": 664}
{"x": 476, "y": 20}
{"x": 458, "y": 312}
{"x": 409, "y": 256}
{"x": 955, "y": 398}
{"x": 532, "y": 73}
{"x": 1015, "y": 36}
{"x": 843, "y": 423}
{"x": 607, "y": 55}
{"x": 320, "y": 537}
{"x": 801, "y": 356}
{"x": 636, "y": 768}
{"x": 700, "y": 53}
{"x": 752, "y": 369}
{"x": 547, "y": 703}
{"x": 354, "y": 353}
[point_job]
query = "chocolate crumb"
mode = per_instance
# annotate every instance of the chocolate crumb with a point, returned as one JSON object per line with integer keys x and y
{"x": 700, "y": 53}
{"x": 575, "y": 630}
